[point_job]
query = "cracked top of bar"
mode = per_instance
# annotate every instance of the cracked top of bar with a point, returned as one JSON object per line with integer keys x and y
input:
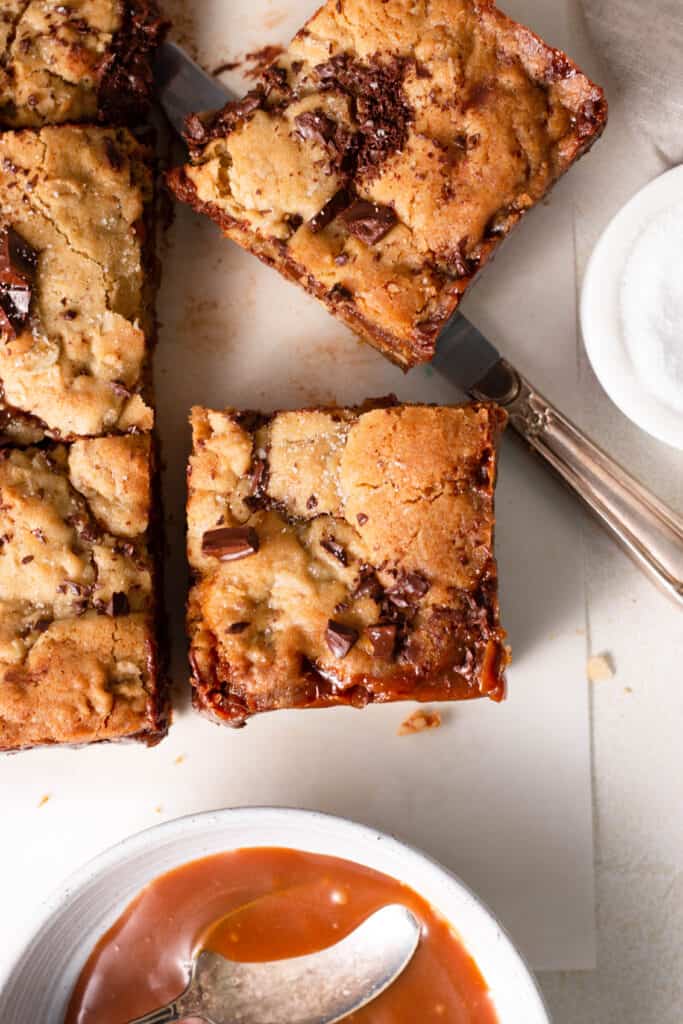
{"x": 78, "y": 654}
{"x": 343, "y": 556}
{"x": 76, "y": 283}
{"x": 382, "y": 158}
{"x": 83, "y": 60}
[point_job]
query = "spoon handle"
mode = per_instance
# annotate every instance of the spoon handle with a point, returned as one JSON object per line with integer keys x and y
{"x": 164, "y": 1015}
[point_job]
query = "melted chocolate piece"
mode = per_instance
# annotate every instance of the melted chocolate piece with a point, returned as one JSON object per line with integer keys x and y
{"x": 237, "y": 627}
{"x": 408, "y": 590}
{"x": 18, "y": 262}
{"x": 340, "y": 638}
{"x": 229, "y": 543}
{"x": 316, "y": 125}
{"x": 332, "y": 208}
{"x": 335, "y": 549}
{"x": 118, "y": 604}
{"x": 382, "y": 636}
{"x": 368, "y": 585}
{"x": 369, "y": 222}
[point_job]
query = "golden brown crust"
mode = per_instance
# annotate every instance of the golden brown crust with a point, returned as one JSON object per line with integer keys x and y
{"x": 85, "y": 60}
{"x": 78, "y": 651}
{"x": 343, "y": 556}
{"x": 78, "y": 365}
{"x": 380, "y": 161}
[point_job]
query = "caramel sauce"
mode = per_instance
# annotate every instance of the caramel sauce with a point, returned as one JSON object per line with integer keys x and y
{"x": 266, "y": 904}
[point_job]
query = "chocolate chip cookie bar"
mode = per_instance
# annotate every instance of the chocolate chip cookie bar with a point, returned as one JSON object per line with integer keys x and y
{"x": 78, "y": 611}
{"x": 381, "y": 160}
{"x": 83, "y": 60}
{"x": 343, "y": 556}
{"x": 77, "y": 282}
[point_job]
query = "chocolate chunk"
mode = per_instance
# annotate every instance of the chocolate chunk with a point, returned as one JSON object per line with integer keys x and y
{"x": 380, "y": 106}
{"x": 312, "y": 502}
{"x": 427, "y": 329}
{"x": 332, "y": 208}
{"x": 408, "y": 590}
{"x": 369, "y": 222}
{"x": 339, "y": 293}
{"x": 229, "y": 543}
{"x": 26, "y": 559}
{"x": 18, "y": 262}
{"x": 368, "y": 585}
{"x": 113, "y": 154}
{"x": 382, "y": 636}
{"x": 118, "y": 604}
{"x": 316, "y": 125}
{"x": 362, "y": 518}
{"x": 335, "y": 549}
{"x": 463, "y": 264}
{"x": 237, "y": 627}
{"x": 340, "y": 638}
{"x": 259, "y": 470}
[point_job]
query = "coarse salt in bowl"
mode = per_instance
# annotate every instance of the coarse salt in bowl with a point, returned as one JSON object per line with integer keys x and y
{"x": 632, "y": 309}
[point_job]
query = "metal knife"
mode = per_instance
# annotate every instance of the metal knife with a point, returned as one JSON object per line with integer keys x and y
{"x": 649, "y": 531}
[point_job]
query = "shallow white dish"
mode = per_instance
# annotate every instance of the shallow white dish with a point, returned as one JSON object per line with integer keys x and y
{"x": 71, "y": 922}
{"x": 600, "y": 312}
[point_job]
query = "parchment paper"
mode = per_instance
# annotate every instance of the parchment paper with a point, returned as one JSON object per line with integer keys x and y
{"x": 500, "y": 794}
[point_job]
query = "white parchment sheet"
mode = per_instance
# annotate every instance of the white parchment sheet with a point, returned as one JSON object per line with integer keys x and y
{"x": 500, "y": 794}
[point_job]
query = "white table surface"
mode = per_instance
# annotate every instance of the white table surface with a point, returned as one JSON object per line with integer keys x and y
{"x": 637, "y": 716}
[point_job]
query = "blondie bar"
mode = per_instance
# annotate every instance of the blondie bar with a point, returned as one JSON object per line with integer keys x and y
{"x": 78, "y": 595}
{"x": 381, "y": 160}
{"x": 77, "y": 281}
{"x": 83, "y": 60}
{"x": 343, "y": 556}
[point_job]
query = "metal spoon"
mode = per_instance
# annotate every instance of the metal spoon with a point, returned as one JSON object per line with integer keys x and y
{"x": 318, "y": 989}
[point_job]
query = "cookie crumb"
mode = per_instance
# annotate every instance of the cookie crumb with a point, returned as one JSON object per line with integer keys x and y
{"x": 599, "y": 668}
{"x": 179, "y": 759}
{"x": 419, "y": 721}
{"x": 158, "y": 809}
{"x": 44, "y": 799}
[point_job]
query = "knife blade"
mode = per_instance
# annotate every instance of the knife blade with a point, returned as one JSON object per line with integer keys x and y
{"x": 183, "y": 87}
{"x": 650, "y": 531}
{"x": 469, "y": 359}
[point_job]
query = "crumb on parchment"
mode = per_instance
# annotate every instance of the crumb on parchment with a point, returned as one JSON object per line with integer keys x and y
{"x": 419, "y": 721}
{"x": 44, "y": 799}
{"x": 600, "y": 667}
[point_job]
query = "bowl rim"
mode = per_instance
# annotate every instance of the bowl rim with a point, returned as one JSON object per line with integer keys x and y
{"x": 599, "y": 311}
{"x": 99, "y": 865}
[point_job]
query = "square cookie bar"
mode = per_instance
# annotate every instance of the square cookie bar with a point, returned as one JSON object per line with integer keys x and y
{"x": 381, "y": 160}
{"x": 84, "y": 60}
{"x": 343, "y": 556}
{"x": 77, "y": 280}
{"x": 78, "y": 595}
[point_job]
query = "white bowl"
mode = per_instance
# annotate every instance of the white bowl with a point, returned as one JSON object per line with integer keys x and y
{"x": 71, "y": 922}
{"x": 600, "y": 311}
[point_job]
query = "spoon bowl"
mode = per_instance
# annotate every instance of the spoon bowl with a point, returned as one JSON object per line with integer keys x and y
{"x": 320, "y": 988}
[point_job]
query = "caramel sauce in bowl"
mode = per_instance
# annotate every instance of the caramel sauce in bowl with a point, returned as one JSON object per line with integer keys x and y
{"x": 259, "y": 884}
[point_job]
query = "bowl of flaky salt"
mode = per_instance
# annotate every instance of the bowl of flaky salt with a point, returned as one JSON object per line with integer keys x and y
{"x": 632, "y": 309}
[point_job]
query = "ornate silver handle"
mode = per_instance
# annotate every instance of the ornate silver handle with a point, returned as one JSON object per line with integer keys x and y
{"x": 650, "y": 532}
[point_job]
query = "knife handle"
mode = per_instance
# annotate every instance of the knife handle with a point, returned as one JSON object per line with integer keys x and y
{"x": 650, "y": 532}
